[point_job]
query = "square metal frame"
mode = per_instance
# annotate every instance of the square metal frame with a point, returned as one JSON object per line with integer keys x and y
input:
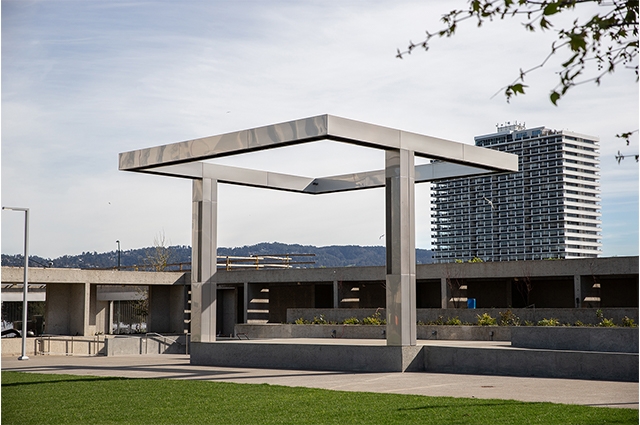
{"x": 187, "y": 160}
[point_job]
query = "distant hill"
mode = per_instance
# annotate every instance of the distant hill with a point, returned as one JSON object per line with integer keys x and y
{"x": 325, "y": 256}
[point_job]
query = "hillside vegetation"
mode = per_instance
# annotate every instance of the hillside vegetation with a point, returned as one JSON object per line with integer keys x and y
{"x": 143, "y": 258}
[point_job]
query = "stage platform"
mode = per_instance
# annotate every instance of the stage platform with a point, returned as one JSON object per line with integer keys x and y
{"x": 373, "y": 355}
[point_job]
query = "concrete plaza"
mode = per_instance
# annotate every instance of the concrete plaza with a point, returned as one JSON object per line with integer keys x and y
{"x": 166, "y": 366}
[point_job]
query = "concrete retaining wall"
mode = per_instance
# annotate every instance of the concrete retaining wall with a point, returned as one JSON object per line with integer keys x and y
{"x": 13, "y": 347}
{"x": 311, "y": 331}
{"x": 622, "y": 340}
{"x": 131, "y": 345}
{"x": 353, "y": 358}
{"x": 530, "y": 362}
{"x": 497, "y": 360}
{"x": 426, "y": 315}
{"x": 56, "y": 346}
{"x": 463, "y": 333}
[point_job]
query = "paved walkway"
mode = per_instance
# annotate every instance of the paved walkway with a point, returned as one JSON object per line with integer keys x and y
{"x": 567, "y": 391}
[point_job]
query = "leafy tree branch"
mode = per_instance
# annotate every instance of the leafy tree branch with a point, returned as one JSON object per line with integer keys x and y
{"x": 597, "y": 46}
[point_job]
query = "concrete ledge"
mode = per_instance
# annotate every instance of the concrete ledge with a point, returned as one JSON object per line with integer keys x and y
{"x": 55, "y": 346}
{"x": 275, "y": 330}
{"x": 475, "y": 358}
{"x": 306, "y": 356}
{"x": 621, "y": 340}
{"x": 130, "y": 345}
{"x": 536, "y": 363}
{"x": 463, "y": 333}
{"x": 13, "y": 347}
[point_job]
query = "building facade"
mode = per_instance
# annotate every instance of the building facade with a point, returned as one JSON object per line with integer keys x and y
{"x": 550, "y": 208}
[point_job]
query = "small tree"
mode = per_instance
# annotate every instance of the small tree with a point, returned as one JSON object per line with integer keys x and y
{"x": 157, "y": 258}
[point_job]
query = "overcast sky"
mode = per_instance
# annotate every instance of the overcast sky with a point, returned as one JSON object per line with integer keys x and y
{"x": 85, "y": 80}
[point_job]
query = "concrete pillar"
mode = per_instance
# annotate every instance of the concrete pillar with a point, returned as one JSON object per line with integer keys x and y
{"x": 577, "y": 291}
{"x": 245, "y": 317}
{"x": 336, "y": 295}
{"x": 445, "y": 293}
{"x": 401, "y": 251}
{"x": 110, "y": 329}
{"x": 204, "y": 260}
{"x": 87, "y": 329}
{"x": 166, "y": 309}
{"x": 67, "y": 309}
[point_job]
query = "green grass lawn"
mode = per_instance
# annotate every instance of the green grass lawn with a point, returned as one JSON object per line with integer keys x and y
{"x": 65, "y": 399}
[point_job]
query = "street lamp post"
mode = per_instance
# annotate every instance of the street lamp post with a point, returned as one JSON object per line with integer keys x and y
{"x": 26, "y": 279}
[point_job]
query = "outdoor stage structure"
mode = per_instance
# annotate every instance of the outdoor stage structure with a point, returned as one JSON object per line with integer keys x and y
{"x": 187, "y": 160}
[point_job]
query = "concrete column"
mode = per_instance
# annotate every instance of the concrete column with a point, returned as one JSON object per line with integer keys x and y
{"x": 245, "y": 316}
{"x": 87, "y": 329}
{"x": 336, "y": 295}
{"x": 110, "y": 325}
{"x": 67, "y": 309}
{"x": 445, "y": 293}
{"x": 166, "y": 309}
{"x": 204, "y": 260}
{"x": 401, "y": 251}
{"x": 577, "y": 291}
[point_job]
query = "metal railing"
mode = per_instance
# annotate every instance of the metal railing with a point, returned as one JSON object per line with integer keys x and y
{"x": 70, "y": 345}
{"x": 230, "y": 262}
{"x": 166, "y": 341}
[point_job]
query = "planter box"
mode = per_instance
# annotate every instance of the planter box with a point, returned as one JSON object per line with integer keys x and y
{"x": 268, "y": 331}
{"x": 463, "y": 333}
{"x": 425, "y": 315}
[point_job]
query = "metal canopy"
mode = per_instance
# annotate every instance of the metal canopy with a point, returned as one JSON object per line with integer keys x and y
{"x": 187, "y": 160}
{"x": 322, "y": 127}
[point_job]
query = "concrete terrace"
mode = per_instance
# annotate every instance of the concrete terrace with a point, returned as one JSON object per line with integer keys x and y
{"x": 167, "y": 366}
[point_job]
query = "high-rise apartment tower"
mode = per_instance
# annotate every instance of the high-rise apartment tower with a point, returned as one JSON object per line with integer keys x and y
{"x": 549, "y": 209}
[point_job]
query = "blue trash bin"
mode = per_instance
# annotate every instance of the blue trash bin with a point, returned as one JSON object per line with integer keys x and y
{"x": 471, "y": 303}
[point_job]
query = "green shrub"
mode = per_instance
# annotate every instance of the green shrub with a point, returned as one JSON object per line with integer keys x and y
{"x": 351, "y": 321}
{"x": 319, "y": 320}
{"x": 301, "y": 321}
{"x": 606, "y": 323}
{"x": 509, "y": 319}
{"x": 549, "y": 322}
{"x": 578, "y": 323}
{"x": 455, "y": 321}
{"x": 439, "y": 321}
{"x": 374, "y": 319}
{"x": 486, "y": 320}
{"x": 628, "y": 323}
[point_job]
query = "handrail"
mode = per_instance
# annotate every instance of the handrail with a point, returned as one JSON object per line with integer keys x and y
{"x": 168, "y": 341}
{"x": 228, "y": 262}
{"x": 43, "y": 344}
